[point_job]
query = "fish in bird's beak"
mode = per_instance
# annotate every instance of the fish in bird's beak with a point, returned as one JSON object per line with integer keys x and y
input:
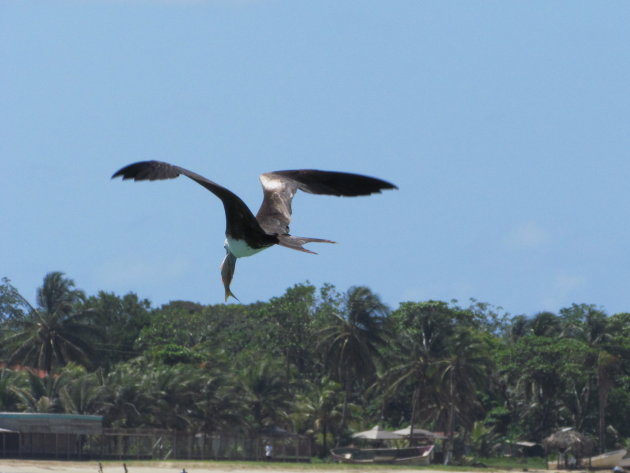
{"x": 227, "y": 272}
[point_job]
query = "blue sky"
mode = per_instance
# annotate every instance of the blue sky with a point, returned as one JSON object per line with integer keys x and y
{"x": 504, "y": 124}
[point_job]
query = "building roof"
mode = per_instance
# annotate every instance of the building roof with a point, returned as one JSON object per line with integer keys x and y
{"x": 27, "y": 422}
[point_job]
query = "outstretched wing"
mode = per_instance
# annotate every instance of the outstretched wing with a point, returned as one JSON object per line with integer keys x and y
{"x": 279, "y": 187}
{"x": 239, "y": 219}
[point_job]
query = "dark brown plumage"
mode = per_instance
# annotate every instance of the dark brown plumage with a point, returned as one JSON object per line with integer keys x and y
{"x": 247, "y": 234}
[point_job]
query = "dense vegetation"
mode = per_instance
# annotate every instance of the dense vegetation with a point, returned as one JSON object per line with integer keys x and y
{"x": 317, "y": 362}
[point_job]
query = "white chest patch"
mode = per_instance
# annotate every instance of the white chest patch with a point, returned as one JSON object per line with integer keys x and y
{"x": 240, "y": 248}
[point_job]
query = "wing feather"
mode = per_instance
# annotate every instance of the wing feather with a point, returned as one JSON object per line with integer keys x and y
{"x": 279, "y": 187}
{"x": 240, "y": 221}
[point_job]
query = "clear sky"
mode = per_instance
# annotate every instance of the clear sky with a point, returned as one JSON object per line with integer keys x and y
{"x": 506, "y": 126}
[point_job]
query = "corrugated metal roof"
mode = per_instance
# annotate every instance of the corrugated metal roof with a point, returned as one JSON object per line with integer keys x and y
{"x": 26, "y": 422}
{"x": 523, "y": 443}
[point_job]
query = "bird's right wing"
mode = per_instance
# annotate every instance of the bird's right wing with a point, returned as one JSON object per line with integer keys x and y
{"x": 279, "y": 187}
{"x": 239, "y": 219}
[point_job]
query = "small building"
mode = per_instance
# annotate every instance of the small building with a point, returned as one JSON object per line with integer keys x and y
{"x": 71, "y": 436}
{"x": 40, "y": 435}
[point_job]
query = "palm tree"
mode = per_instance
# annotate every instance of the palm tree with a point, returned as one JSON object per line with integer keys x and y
{"x": 217, "y": 406}
{"x": 320, "y": 408}
{"x": 412, "y": 367}
{"x": 545, "y": 324}
{"x": 352, "y": 339}
{"x": 519, "y": 327}
{"x": 591, "y": 326}
{"x": 422, "y": 332}
{"x": 41, "y": 394}
{"x": 56, "y": 331}
{"x": 483, "y": 440}
{"x": 172, "y": 390}
{"x": 266, "y": 393}
{"x": 81, "y": 392}
{"x": 607, "y": 364}
{"x": 463, "y": 371}
{"x": 124, "y": 401}
{"x": 10, "y": 381}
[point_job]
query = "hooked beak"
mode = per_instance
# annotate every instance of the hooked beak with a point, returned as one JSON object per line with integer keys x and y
{"x": 227, "y": 272}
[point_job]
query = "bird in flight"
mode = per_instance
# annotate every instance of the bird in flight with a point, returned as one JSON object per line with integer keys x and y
{"x": 247, "y": 234}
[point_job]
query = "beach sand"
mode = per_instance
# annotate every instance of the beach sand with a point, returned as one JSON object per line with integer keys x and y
{"x": 45, "y": 466}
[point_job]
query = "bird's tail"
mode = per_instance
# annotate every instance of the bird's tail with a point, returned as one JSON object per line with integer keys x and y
{"x": 296, "y": 243}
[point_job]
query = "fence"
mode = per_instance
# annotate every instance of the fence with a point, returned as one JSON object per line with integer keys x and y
{"x": 153, "y": 444}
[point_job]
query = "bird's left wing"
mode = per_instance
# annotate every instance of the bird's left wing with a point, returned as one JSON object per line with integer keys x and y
{"x": 279, "y": 187}
{"x": 239, "y": 219}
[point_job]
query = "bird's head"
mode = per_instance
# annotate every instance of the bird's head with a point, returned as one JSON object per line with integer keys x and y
{"x": 227, "y": 273}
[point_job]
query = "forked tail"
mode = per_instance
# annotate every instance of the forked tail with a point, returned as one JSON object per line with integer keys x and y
{"x": 295, "y": 242}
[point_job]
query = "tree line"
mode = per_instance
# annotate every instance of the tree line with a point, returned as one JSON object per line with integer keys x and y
{"x": 318, "y": 362}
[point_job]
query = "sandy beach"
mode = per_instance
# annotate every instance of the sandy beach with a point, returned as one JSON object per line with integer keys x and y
{"x": 44, "y": 466}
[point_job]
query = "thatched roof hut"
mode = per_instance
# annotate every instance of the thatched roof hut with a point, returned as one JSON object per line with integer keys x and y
{"x": 569, "y": 440}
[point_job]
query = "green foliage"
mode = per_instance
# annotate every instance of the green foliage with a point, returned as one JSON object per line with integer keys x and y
{"x": 484, "y": 442}
{"x": 12, "y": 305}
{"x": 119, "y": 321}
{"x": 319, "y": 409}
{"x": 318, "y": 362}
{"x": 11, "y": 383}
{"x": 172, "y": 354}
{"x": 351, "y": 341}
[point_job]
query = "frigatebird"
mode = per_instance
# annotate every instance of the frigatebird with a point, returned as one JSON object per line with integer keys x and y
{"x": 247, "y": 234}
